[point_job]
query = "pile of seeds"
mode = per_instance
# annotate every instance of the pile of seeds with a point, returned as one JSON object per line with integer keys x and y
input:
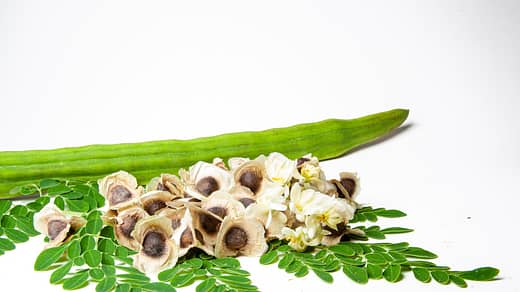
{"x": 224, "y": 210}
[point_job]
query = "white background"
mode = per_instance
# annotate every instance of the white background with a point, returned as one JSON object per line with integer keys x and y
{"x": 75, "y": 73}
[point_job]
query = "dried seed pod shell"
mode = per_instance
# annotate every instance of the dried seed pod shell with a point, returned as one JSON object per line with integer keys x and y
{"x": 125, "y": 224}
{"x": 240, "y": 236}
{"x": 205, "y": 178}
{"x": 223, "y": 204}
{"x": 120, "y": 189}
{"x": 243, "y": 195}
{"x": 348, "y": 185}
{"x": 55, "y": 225}
{"x": 252, "y": 175}
{"x": 183, "y": 232}
{"x": 167, "y": 182}
{"x": 157, "y": 251}
{"x": 273, "y": 221}
{"x": 206, "y": 226}
{"x": 334, "y": 236}
{"x": 154, "y": 201}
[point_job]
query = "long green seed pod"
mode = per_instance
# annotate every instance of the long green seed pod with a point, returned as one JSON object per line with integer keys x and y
{"x": 326, "y": 139}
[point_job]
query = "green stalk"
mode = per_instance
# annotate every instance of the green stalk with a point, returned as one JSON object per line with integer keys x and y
{"x": 326, "y": 139}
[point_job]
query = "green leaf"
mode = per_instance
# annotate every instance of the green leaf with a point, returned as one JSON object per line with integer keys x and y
{"x": 8, "y": 221}
{"x": 417, "y": 252}
{"x": 59, "y": 202}
{"x": 180, "y": 280}
{"x": 422, "y": 275}
{"x": 48, "y": 257}
{"x": 376, "y": 258}
{"x": 158, "y": 287}
{"x": 106, "y": 246}
{"x": 206, "y": 285}
{"x": 286, "y": 261}
{"x": 234, "y": 279}
{"x": 226, "y": 263}
{"x": 79, "y": 261}
{"x": 87, "y": 243}
{"x": 107, "y": 284}
{"x": 342, "y": 250}
{"x": 60, "y": 273}
{"x": 480, "y": 274}
{"x": 26, "y": 225}
{"x": 356, "y": 274}
{"x": 135, "y": 277}
{"x": 108, "y": 232}
{"x": 390, "y": 213}
{"x": 302, "y": 272}
{"x": 325, "y": 276}
{"x": 195, "y": 263}
{"x": 375, "y": 234}
{"x": 392, "y": 273}
{"x": 123, "y": 287}
{"x": 74, "y": 249}
{"x": 75, "y": 282}
{"x": 396, "y": 230}
{"x": 48, "y": 183}
{"x": 4, "y": 206}
{"x": 109, "y": 270}
{"x": 441, "y": 277}
{"x": 269, "y": 258}
{"x": 77, "y": 205}
{"x": 398, "y": 246}
{"x": 370, "y": 217}
{"x": 16, "y": 235}
{"x": 374, "y": 271}
{"x": 92, "y": 257}
{"x": 73, "y": 195}
{"x": 58, "y": 189}
{"x": 96, "y": 274}
{"x": 397, "y": 258}
{"x": 19, "y": 210}
{"x": 458, "y": 281}
{"x": 121, "y": 251}
{"x": 168, "y": 274}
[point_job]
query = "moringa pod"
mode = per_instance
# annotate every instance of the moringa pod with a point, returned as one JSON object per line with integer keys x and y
{"x": 325, "y": 139}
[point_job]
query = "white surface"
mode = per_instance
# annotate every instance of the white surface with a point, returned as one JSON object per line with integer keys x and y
{"x": 96, "y": 72}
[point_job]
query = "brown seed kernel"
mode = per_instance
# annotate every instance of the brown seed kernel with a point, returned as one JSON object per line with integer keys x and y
{"x": 154, "y": 244}
{"x": 207, "y": 185}
{"x": 154, "y": 206}
{"x": 128, "y": 225}
{"x": 176, "y": 222}
{"x": 349, "y": 185}
{"x": 246, "y": 201}
{"x": 119, "y": 194}
{"x": 301, "y": 161}
{"x": 251, "y": 179}
{"x": 209, "y": 223}
{"x": 186, "y": 238}
{"x": 54, "y": 227}
{"x": 235, "y": 238}
{"x": 219, "y": 211}
{"x": 199, "y": 236}
{"x": 161, "y": 187}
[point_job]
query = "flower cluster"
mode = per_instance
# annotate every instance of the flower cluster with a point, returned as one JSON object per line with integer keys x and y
{"x": 228, "y": 209}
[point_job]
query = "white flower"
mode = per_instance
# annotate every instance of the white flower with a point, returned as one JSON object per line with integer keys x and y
{"x": 280, "y": 169}
{"x": 301, "y": 201}
{"x": 301, "y": 237}
{"x": 273, "y": 197}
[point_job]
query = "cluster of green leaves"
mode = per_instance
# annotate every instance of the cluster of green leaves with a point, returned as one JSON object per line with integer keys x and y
{"x": 368, "y": 213}
{"x": 361, "y": 261}
{"x": 16, "y": 220}
{"x": 224, "y": 274}
{"x": 16, "y": 223}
